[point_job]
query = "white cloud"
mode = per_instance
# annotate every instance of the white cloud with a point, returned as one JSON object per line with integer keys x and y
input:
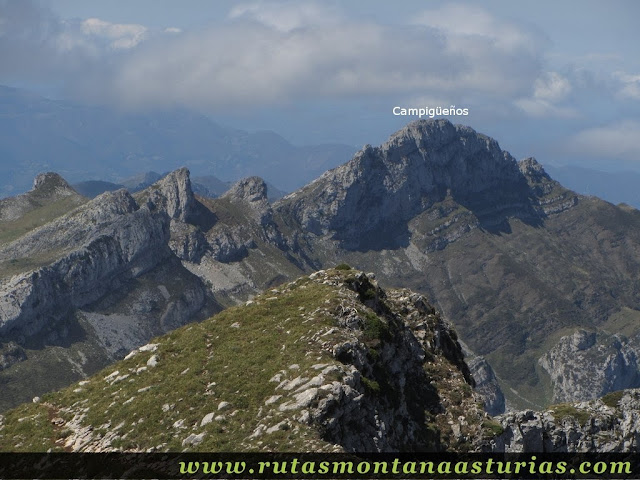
{"x": 549, "y": 89}
{"x": 271, "y": 53}
{"x": 537, "y": 107}
{"x": 286, "y": 16}
{"x": 465, "y": 24}
{"x": 551, "y": 86}
{"x": 630, "y": 85}
{"x": 119, "y": 35}
{"x": 617, "y": 141}
{"x": 283, "y": 52}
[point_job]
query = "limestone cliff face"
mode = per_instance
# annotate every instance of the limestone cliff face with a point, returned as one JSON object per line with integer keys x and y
{"x": 173, "y": 194}
{"x": 99, "y": 245}
{"x": 253, "y": 220}
{"x": 487, "y": 385}
{"x": 587, "y": 365}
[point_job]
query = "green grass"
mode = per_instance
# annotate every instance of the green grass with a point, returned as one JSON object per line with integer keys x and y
{"x": 15, "y": 266}
{"x": 233, "y": 357}
{"x": 491, "y": 428}
{"x": 563, "y": 410}
{"x": 612, "y": 399}
{"x": 624, "y": 322}
{"x": 375, "y": 329}
{"x": 223, "y": 363}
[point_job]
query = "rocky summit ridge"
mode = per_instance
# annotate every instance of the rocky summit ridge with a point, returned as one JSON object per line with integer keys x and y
{"x": 93, "y": 283}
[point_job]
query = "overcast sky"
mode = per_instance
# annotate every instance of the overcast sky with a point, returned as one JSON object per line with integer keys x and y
{"x": 558, "y": 80}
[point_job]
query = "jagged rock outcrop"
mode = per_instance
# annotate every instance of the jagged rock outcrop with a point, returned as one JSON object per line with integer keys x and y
{"x": 610, "y": 424}
{"x": 587, "y": 365}
{"x": 251, "y": 219}
{"x": 173, "y": 195}
{"x": 252, "y": 191}
{"x": 188, "y": 242}
{"x": 251, "y": 194}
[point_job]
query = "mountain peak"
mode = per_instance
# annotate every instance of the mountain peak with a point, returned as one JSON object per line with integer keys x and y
{"x": 531, "y": 168}
{"x": 52, "y": 183}
{"x": 432, "y": 134}
{"x": 48, "y": 188}
{"x": 250, "y": 189}
{"x": 419, "y": 166}
{"x": 174, "y": 194}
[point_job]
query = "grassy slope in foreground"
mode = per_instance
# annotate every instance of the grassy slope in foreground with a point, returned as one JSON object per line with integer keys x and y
{"x": 255, "y": 378}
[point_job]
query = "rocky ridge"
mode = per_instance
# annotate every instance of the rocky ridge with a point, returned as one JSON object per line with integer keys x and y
{"x": 331, "y": 362}
{"x": 587, "y": 365}
{"x": 425, "y": 163}
{"x": 334, "y": 363}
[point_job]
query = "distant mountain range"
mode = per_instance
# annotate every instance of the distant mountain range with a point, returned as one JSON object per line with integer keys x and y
{"x": 94, "y": 143}
{"x": 540, "y": 282}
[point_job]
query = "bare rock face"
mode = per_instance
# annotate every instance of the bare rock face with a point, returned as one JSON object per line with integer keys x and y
{"x": 174, "y": 195}
{"x": 252, "y": 191}
{"x": 53, "y": 184}
{"x": 103, "y": 242}
{"x": 610, "y": 424}
{"x": 187, "y": 242}
{"x": 587, "y": 365}
{"x": 487, "y": 385}
{"x": 254, "y": 220}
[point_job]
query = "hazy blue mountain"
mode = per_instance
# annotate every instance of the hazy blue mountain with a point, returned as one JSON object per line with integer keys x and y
{"x": 81, "y": 142}
{"x": 615, "y": 187}
{"x": 141, "y": 180}
{"x": 93, "y": 188}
